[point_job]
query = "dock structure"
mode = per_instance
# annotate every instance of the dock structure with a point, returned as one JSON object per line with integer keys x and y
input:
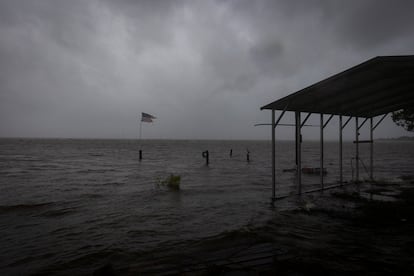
{"x": 367, "y": 92}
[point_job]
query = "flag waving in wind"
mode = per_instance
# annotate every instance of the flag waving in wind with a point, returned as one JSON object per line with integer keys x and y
{"x": 147, "y": 118}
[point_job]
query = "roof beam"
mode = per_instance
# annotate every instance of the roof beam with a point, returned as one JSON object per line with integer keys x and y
{"x": 361, "y": 98}
{"x": 385, "y": 104}
{"x": 377, "y": 86}
{"x": 389, "y": 109}
{"x": 352, "y": 90}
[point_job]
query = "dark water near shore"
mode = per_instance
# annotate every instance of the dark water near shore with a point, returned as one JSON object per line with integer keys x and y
{"x": 69, "y": 206}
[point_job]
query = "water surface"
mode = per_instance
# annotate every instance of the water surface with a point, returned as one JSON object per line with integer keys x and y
{"x": 71, "y": 205}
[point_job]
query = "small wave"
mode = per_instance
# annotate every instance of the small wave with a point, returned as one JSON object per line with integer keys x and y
{"x": 96, "y": 154}
{"x": 100, "y": 184}
{"x": 242, "y": 234}
{"x": 60, "y": 230}
{"x": 96, "y": 171}
{"x": 24, "y": 207}
{"x": 30, "y": 225}
{"x": 46, "y": 167}
{"x": 59, "y": 213}
{"x": 143, "y": 232}
{"x": 90, "y": 196}
{"x": 13, "y": 172}
{"x": 112, "y": 183}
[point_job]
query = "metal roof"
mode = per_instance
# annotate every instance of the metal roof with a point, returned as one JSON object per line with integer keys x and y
{"x": 380, "y": 85}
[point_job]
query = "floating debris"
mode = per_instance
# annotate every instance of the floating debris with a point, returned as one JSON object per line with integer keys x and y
{"x": 172, "y": 182}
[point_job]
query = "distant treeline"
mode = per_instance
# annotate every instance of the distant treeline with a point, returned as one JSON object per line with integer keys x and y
{"x": 402, "y": 138}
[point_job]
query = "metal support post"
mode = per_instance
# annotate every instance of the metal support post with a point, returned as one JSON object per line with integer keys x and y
{"x": 274, "y": 124}
{"x": 382, "y": 118}
{"x": 359, "y": 127}
{"x": 321, "y": 153}
{"x": 298, "y": 139}
{"x": 340, "y": 151}
{"x": 329, "y": 119}
{"x": 273, "y": 157}
{"x": 306, "y": 119}
{"x": 347, "y": 121}
{"x": 371, "y": 156}
{"x": 280, "y": 116}
{"x": 356, "y": 150}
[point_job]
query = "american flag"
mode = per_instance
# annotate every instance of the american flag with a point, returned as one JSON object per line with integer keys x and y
{"x": 147, "y": 117}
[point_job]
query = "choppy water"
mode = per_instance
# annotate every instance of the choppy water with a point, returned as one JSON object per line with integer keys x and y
{"x": 66, "y": 205}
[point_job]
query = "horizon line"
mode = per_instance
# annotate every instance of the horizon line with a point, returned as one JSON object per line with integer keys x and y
{"x": 194, "y": 139}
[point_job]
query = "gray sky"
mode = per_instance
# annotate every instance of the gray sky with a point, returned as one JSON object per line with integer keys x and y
{"x": 87, "y": 69}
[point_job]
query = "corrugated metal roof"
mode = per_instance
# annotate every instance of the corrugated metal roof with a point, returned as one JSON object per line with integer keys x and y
{"x": 380, "y": 85}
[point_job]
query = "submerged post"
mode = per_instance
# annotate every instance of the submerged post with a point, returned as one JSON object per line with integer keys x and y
{"x": 273, "y": 156}
{"x": 140, "y": 155}
{"x": 298, "y": 139}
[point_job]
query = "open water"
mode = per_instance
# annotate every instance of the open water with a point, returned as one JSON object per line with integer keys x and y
{"x": 68, "y": 206}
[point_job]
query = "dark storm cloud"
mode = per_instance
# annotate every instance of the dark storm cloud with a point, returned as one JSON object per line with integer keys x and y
{"x": 88, "y": 68}
{"x": 371, "y": 23}
{"x": 310, "y": 30}
{"x": 147, "y": 22}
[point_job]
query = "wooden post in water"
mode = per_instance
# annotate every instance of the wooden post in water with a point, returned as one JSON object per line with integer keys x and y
{"x": 140, "y": 155}
{"x": 206, "y": 156}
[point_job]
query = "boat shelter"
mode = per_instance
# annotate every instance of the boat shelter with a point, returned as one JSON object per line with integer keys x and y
{"x": 365, "y": 93}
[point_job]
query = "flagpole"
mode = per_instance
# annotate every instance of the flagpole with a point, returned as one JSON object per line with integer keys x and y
{"x": 145, "y": 117}
{"x": 139, "y": 140}
{"x": 140, "y": 129}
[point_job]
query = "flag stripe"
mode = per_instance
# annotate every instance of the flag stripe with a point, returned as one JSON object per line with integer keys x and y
{"x": 147, "y": 117}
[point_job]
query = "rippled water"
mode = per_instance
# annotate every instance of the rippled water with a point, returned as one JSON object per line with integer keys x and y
{"x": 69, "y": 205}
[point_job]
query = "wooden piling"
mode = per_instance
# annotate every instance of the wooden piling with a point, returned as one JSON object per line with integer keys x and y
{"x": 206, "y": 156}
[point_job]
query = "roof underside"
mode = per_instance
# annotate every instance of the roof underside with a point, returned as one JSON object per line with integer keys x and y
{"x": 377, "y": 86}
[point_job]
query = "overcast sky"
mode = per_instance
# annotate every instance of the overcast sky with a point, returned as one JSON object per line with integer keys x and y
{"x": 87, "y": 69}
